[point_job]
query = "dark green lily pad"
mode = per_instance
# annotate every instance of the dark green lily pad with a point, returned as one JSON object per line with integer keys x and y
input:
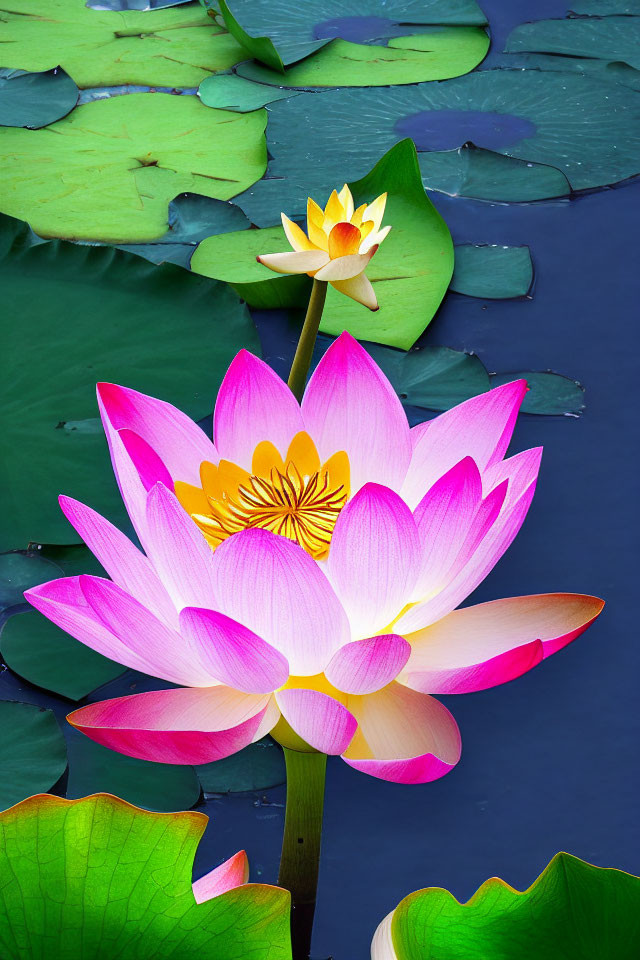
{"x": 154, "y": 786}
{"x": 259, "y": 766}
{"x": 34, "y": 100}
{"x": 549, "y": 393}
{"x": 607, "y": 71}
{"x": 33, "y": 755}
{"x": 607, "y": 38}
{"x": 604, "y": 8}
{"x": 96, "y": 879}
{"x": 280, "y": 32}
{"x": 573, "y": 911}
{"x": 135, "y": 324}
{"x": 433, "y": 377}
{"x": 231, "y": 92}
{"x": 492, "y": 272}
{"x": 46, "y": 656}
{"x": 20, "y": 570}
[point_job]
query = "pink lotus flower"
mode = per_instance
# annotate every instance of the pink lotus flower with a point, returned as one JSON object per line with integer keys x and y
{"x": 342, "y": 543}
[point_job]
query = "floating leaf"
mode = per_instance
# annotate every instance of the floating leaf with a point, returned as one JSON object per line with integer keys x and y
{"x": 280, "y": 32}
{"x": 573, "y": 911}
{"x": 436, "y": 54}
{"x": 230, "y": 92}
{"x": 134, "y": 324}
{"x": 171, "y": 48}
{"x": 33, "y": 756}
{"x": 155, "y": 786}
{"x": 608, "y": 71}
{"x": 259, "y": 766}
{"x": 411, "y": 271}
{"x": 95, "y": 879}
{"x": 46, "y": 656}
{"x": 20, "y": 570}
{"x": 493, "y": 272}
{"x": 604, "y": 8}
{"x": 548, "y": 393}
{"x": 433, "y": 377}
{"x": 109, "y": 169}
{"x": 608, "y": 38}
{"x": 35, "y": 99}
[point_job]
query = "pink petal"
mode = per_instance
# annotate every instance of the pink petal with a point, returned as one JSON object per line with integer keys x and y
{"x": 374, "y": 558}
{"x": 233, "y": 654}
{"x": 480, "y": 428}
{"x": 444, "y": 517}
{"x": 174, "y": 726}
{"x": 350, "y": 405}
{"x": 124, "y": 563}
{"x": 403, "y": 736}
{"x": 164, "y": 652}
{"x": 269, "y": 584}
{"x": 131, "y": 487}
{"x": 233, "y": 873}
{"x": 253, "y": 405}
{"x": 365, "y": 666}
{"x": 150, "y": 467}
{"x": 180, "y": 555}
{"x": 178, "y": 441}
{"x": 320, "y": 720}
{"x": 520, "y": 470}
{"x": 488, "y": 644}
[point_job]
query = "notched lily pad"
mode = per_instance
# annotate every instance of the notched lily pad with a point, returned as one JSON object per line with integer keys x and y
{"x": 33, "y": 755}
{"x": 34, "y": 100}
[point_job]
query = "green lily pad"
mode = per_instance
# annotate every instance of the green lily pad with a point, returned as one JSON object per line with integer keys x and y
{"x": 35, "y": 99}
{"x": 259, "y": 766}
{"x": 437, "y": 378}
{"x": 33, "y": 756}
{"x": 492, "y": 272}
{"x": 280, "y": 32}
{"x": 607, "y": 38}
{"x": 95, "y": 879}
{"x": 112, "y": 166}
{"x": 154, "y": 786}
{"x": 73, "y": 559}
{"x": 171, "y": 48}
{"x": 46, "y": 656}
{"x": 20, "y": 570}
{"x": 410, "y": 272}
{"x": 231, "y": 92}
{"x": 604, "y": 8}
{"x": 608, "y": 71}
{"x": 436, "y": 54}
{"x": 134, "y": 324}
{"x": 549, "y": 393}
{"x": 573, "y": 911}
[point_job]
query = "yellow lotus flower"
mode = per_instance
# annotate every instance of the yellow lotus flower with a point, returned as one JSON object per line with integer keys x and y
{"x": 338, "y": 244}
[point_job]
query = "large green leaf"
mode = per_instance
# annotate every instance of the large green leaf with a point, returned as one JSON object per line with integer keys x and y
{"x": 35, "y": 99}
{"x": 259, "y": 766}
{"x": 410, "y": 272}
{"x": 573, "y": 911}
{"x": 32, "y": 754}
{"x": 108, "y": 170}
{"x": 99, "y": 48}
{"x": 84, "y": 314}
{"x": 20, "y": 570}
{"x": 491, "y": 271}
{"x": 436, "y": 54}
{"x": 96, "y": 879}
{"x": 608, "y": 38}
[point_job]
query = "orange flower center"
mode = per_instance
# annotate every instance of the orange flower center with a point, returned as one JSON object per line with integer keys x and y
{"x": 296, "y": 497}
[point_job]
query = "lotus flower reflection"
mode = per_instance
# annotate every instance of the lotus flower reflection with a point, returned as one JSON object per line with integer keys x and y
{"x": 304, "y": 575}
{"x": 339, "y": 242}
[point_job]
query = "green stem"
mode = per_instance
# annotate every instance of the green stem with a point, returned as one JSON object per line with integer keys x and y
{"x": 301, "y": 843}
{"x": 306, "y": 343}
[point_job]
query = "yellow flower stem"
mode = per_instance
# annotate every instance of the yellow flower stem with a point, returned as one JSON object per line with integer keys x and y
{"x": 306, "y": 343}
{"x": 301, "y": 843}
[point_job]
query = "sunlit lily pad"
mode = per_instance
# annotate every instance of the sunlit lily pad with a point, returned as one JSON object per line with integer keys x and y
{"x": 607, "y": 38}
{"x": 35, "y": 99}
{"x": 176, "y": 47}
{"x": 135, "y": 324}
{"x": 109, "y": 169}
{"x": 96, "y": 879}
{"x": 259, "y": 766}
{"x": 573, "y": 911}
{"x": 33, "y": 755}
{"x": 494, "y": 272}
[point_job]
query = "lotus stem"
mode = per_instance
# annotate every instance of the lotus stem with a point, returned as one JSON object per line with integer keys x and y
{"x": 306, "y": 343}
{"x": 301, "y": 843}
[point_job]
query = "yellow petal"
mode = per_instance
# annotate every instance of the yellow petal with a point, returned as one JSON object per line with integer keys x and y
{"x": 344, "y": 239}
{"x": 302, "y": 452}
{"x": 346, "y": 200}
{"x": 338, "y": 470}
{"x": 296, "y": 237}
{"x": 374, "y": 238}
{"x": 358, "y": 288}
{"x": 315, "y": 220}
{"x": 356, "y": 218}
{"x": 305, "y": 261}
{"x": 265, "y": 458}
{"x": 375, "y": 210}
{"x": 334, "y": 211}
{"x": 192, "y": 499}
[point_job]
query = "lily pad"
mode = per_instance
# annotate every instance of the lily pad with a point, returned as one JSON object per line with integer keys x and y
{"x": 259, "y": 766}
{"x": 549, "y": 393}
{"x": 436, "y": 54}
{"x": 231, "y": 92}
{"x": 280, "y": 32}
{"x": 20, "y": 570}
{"x": 411, "y": 270}
{"x": 172, "y": 47}
{"x": 33, "y": 756}
{"x": 35, "y": 99}
{"x": 573, "y": 911}
{"x": 95, "y": 879}
{"x": 46, "y": 656}
{"x": 604, "y": 8}
{"x": 492, "y": 272}
{"x": 111, "y": 167}
{"x": 437, "y": 378}
{"x": 606, "y": 38}
{"x": 154, "y": 786}
{"x": 608, "y": 71}
{"x": 134, "y": 324}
